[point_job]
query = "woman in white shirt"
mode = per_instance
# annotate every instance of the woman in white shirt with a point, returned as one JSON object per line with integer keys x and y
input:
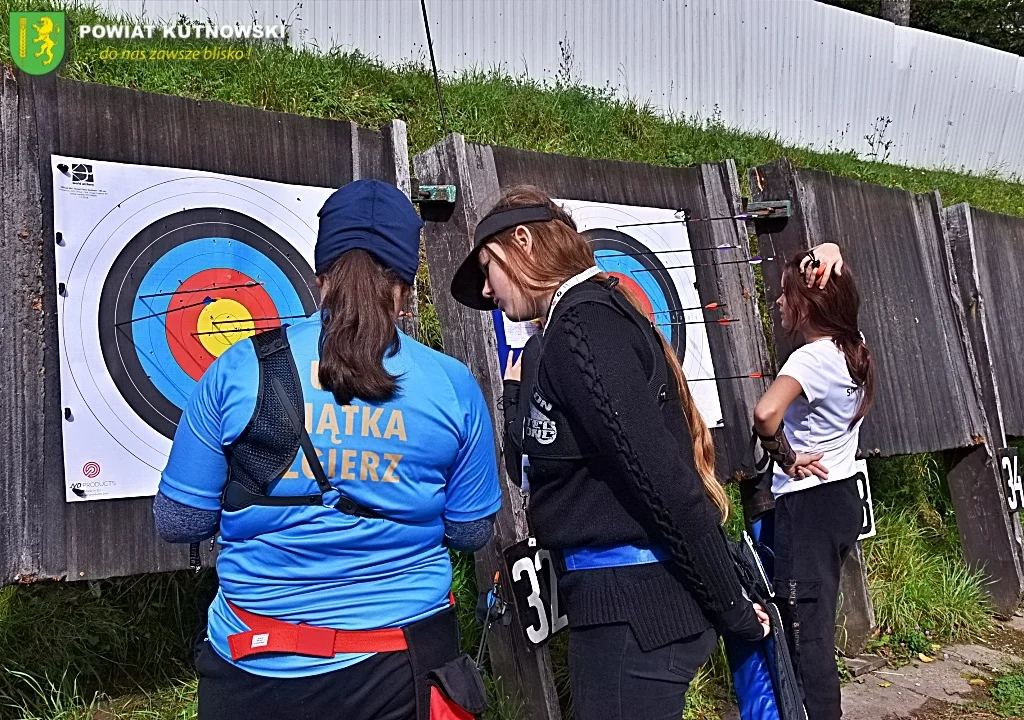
{"x": 808, "y": 422}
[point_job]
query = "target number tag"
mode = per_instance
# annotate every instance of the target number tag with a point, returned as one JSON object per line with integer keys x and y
{"x": 535, "y": 589}
{"x": 1009, "y": 471}
{"x": 867, "y": 523}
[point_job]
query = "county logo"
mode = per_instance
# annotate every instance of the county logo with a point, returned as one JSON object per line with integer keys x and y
{"x": 37, "y": 41}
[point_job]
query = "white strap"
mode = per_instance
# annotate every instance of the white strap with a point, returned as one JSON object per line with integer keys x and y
{"x": 567, "y": 286}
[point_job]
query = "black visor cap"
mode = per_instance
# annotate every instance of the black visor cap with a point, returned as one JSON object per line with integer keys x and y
{"x": 468, "y": 282}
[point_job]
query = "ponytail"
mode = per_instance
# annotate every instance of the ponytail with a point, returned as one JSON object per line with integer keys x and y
{"x": 860, "y": 365}
{"x": 358, "y": 310}
{"x": 703, "y": 445}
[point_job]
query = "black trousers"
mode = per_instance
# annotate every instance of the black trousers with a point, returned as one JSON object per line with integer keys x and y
{"x": 613, "y": 679}
{"x": 815, "y": 529}
{"x": 380, "y": 688}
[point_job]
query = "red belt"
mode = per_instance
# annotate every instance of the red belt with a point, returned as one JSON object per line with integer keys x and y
{"x": 270, "y": 635}
{"x": 266, "y": 635}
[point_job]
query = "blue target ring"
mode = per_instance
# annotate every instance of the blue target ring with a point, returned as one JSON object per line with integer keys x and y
{"x": 141, "y": 300}
{"x": 152, "y": 301}
{"x": 622, "y": 254}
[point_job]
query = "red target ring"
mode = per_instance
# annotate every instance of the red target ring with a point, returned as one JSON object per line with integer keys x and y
{"x": 634, "y": 287}
{"x": 200, "y": 293}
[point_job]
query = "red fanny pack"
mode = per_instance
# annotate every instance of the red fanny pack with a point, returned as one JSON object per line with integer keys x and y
{"x": 267, "y": 635}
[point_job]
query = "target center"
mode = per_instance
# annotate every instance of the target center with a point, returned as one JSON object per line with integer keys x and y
{"x": 222, "y": 323}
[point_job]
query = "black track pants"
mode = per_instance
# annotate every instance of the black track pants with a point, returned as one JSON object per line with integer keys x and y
{"x": 379, "y": 688}
{"x": 815, "y": 529}
{"x": 613, "y": 679}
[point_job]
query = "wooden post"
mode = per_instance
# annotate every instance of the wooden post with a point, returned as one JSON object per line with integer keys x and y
{"x": 856, "y": 619}
{"x": 990, "y": 536}
{"x": 469, "y": 336}
{"x": 396, "y": 148}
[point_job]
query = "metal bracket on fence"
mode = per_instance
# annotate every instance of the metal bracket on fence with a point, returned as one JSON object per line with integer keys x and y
{"x": 436, "y": 202}
{"x": 769, "y": 209}
{"x": 432, "y": 193}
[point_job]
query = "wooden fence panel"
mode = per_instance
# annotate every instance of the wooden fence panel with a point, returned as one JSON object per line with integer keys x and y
{"x": 999, "y": 243}
{"x": 469, "y": 336}
{"x": 991, "y": 538}
{"x": 41, "y": 536}
{"x": 893, "y": 241}
{"x": 710, "y": 190}
{"x": 480, "y": 172}
{"x": 916, "y": 274}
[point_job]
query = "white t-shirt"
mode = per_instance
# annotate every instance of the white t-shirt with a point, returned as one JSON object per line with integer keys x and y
{"x": 819, "y": 419}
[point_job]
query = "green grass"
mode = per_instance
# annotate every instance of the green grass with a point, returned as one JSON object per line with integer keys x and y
{"x": 921, "y": 590}
{"x": 127, "y": 636}
{"x": 1008, "y": 693}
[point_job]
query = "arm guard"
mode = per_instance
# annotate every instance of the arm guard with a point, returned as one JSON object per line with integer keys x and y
{"x": 778, "y": 448}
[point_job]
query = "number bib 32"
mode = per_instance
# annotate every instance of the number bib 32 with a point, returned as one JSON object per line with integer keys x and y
{"x": 535, "y": 590}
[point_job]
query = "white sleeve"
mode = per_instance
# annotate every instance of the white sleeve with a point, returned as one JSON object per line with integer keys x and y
{"x": 806, "y": 368}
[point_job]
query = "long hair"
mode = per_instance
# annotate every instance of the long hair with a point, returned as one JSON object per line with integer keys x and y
{"x": 832, "y": 310}
{"x": 358, "y": 309}
{"x": 560, "y": 252}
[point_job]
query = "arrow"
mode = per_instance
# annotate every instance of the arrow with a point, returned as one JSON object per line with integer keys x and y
{"x": 255, "y": 320}
{"x": 756, "y": 260}
{"x": 206, "y": 289}
{"x": 721, "y": 321}
{"x": 709, "y": 306}
{"x": 681, "y": 250}
{"x": 205, "y": 301}
{"x": 751, "y": 376}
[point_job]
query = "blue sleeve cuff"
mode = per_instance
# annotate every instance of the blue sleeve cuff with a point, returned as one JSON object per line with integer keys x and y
{"x": 178, "y": 523}
{"x": 468, "y": 536}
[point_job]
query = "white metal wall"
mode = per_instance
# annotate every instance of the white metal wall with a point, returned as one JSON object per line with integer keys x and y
{"x": 812, "y": 74}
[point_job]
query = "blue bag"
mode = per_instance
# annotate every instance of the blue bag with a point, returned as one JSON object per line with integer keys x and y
{"x": 762, "y": 672}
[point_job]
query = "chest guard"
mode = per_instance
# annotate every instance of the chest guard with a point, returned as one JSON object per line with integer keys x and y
{"x": 546, "y": 431}
{"x": 268, "y": 445}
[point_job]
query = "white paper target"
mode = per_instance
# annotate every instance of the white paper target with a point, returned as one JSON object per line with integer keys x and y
{"x": 158, "y": 271}
{"x": 647, "y": 259}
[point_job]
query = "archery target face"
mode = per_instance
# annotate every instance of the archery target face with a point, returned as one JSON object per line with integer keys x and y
{"x": 159, "y": 271}
{"x": 646, "y": 260}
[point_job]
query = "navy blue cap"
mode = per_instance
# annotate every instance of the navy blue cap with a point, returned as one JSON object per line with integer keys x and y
{"x": 373, "y": 216}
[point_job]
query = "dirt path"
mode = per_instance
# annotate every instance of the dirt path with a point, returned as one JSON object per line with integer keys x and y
{"x": 939, "y": 690}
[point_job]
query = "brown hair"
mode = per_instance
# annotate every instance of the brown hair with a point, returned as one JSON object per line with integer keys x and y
{"x": 358, "y": 307}
{"x": 560, "y": 252}
{"x": 832, "y": 310}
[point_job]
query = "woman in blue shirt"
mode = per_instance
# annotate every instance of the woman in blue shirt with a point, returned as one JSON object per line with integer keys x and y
{"x": 406, "y": 457}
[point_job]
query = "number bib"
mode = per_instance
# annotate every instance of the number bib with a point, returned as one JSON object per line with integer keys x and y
{"x": 1009, "y": 471}
{"x": 535, "y": 591}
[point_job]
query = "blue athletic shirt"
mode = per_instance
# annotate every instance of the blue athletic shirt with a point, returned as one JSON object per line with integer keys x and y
{"x": 424, "y": 456}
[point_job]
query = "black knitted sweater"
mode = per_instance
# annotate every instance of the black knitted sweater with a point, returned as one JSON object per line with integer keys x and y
{"x": 637, "y": 484}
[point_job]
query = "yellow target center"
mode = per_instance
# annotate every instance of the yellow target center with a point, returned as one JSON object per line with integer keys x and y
{"x": 222, "y": 323}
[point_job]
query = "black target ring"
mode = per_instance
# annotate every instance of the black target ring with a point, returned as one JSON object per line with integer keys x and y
{"x": 119, "y": 298}
{"x": 628, "y": 258}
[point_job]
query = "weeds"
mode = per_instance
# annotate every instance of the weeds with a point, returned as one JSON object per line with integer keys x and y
{"x": 1008, "y": 693}
{"x": 921, "y": 590}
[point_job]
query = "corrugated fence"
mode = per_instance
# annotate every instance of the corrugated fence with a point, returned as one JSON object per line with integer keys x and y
{"x": 810, "y": 73}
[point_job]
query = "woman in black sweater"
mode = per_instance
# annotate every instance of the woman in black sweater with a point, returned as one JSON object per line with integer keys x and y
{"x": 621, "y": 467}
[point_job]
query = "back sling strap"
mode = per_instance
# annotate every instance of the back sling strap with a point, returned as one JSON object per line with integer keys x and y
{"x": 237, "y": 496}
{"x": 604, "y": 293}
